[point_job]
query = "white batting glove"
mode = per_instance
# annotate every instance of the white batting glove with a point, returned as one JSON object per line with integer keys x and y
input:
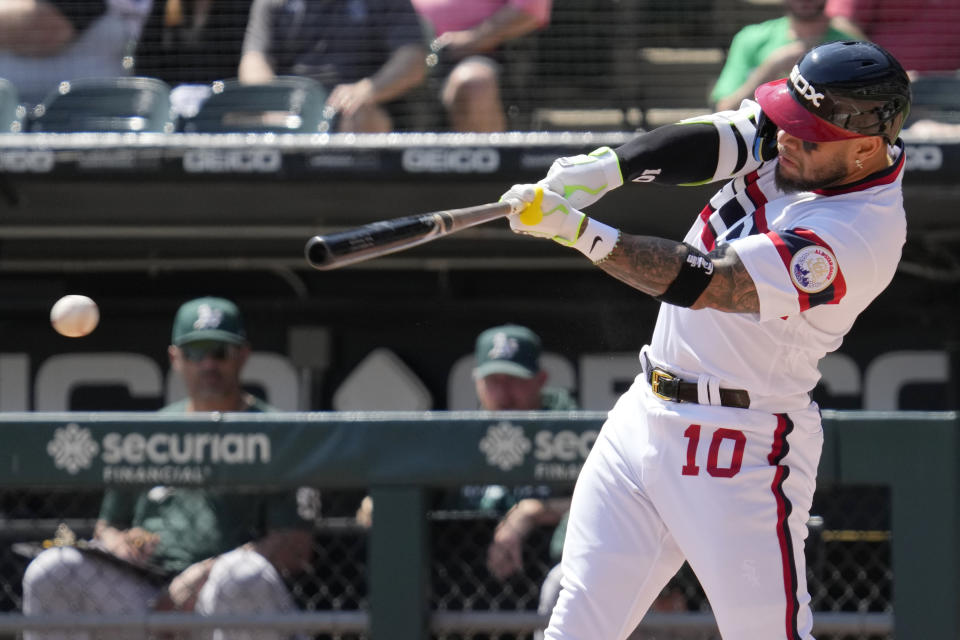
{"x": 584, "y": 179}
{"x": 546, "y": 215}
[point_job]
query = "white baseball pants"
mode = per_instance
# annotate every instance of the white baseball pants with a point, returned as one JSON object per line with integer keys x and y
{"x": 729, "y": 490}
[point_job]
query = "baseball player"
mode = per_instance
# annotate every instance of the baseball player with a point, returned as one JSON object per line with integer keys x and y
{"x": 711, "y": 455}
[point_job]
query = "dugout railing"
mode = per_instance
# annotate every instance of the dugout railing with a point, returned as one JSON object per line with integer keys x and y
{"x": 400, "y": 458}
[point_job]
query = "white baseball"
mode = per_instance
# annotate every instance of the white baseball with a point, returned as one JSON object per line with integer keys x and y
{"x": 74, "y": 316}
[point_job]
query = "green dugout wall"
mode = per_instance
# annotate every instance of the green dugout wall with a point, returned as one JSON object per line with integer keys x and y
{"x": 399, "y": 456}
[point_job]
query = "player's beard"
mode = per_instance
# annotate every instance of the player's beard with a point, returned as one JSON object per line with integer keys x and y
{"x": 826, "y": 176}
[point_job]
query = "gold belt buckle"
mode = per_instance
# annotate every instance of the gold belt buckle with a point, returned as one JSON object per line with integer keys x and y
{"x": 657, "y": 377}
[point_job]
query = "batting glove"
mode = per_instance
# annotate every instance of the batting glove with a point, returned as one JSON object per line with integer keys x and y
{"x": 546, "y": 215}
{"x": 584, "y": 179}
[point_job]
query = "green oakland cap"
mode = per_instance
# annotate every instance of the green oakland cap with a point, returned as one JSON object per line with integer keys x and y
{"x": 509, "y": 349}
{"x": 208, "y": 319}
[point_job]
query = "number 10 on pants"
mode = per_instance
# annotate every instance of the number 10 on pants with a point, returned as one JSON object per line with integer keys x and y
{"x": 692, "y": 434}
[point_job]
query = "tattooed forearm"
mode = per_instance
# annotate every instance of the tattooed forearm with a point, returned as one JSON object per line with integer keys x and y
{"x": 650, "y": 265}
{"x": 645, "y": 263}
{"x": 732, "y": 288}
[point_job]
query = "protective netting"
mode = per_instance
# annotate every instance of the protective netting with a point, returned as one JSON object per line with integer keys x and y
{"x": 597, "y": 64}
{"x": 848, "y": 552}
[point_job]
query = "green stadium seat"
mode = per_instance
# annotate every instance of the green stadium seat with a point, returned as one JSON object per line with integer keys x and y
{"x": 11, "y": 111}
{"x": 288, "y": 104}
{"x": 127, "y": 104}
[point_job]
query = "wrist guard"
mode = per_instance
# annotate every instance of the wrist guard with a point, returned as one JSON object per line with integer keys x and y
{"x": 597, "y": 241}
{"x": 694, "y": 277}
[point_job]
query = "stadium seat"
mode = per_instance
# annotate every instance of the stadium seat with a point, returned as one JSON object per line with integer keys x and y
{"x": 11, "y": 111}
{"x": 128, "y": 104}
{"x": 288, "y": 104}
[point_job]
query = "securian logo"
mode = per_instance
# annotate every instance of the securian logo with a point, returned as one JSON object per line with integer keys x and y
{"x": 804, "y": 89}
{"x": 505, "y": 445}
{"x": 72, "y": 448}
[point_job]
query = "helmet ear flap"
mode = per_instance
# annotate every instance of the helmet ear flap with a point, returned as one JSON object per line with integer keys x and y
{"x": 765, "y": 142}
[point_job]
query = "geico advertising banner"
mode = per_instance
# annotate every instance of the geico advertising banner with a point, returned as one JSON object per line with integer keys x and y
{"x": 292, "y": 449}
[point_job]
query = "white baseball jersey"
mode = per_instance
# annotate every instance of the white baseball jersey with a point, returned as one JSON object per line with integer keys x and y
{"x": 727, "y": 489}
{"x": 817, "y": 259}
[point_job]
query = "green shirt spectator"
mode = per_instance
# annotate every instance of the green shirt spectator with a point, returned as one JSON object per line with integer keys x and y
{"x": 768, "y": 50}
{"x": 194, "y": 524}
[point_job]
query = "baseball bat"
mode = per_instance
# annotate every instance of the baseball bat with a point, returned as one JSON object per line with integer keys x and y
{"x": 377, "y": 239}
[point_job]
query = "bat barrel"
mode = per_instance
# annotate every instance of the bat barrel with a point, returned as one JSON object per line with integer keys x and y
{"x": 388, "y": 236}
{"x": 369, "y": 241}
{"x": 318, "y": 253}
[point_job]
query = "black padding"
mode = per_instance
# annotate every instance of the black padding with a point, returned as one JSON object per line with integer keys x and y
{"x": 694, "y": 277}
{"x": 672, "y": 154}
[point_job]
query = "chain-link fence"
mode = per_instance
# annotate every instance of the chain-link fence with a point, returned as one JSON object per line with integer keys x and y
{"x": 848, "y": 552}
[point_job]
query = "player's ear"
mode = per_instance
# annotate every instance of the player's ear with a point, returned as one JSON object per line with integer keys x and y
{"x": 176, "y": 357}
{"x": 869, "y": 146}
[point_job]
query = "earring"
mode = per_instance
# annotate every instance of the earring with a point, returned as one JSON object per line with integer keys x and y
{"x": 858, "y": 163}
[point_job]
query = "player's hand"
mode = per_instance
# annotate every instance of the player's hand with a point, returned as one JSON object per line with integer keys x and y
{"x": 584, "y": 179}
{"x": 547, "y": 214}
{"x": 505, "y": 553}
{"x": 134, "y": 545}
{"x": 181, "y": 594}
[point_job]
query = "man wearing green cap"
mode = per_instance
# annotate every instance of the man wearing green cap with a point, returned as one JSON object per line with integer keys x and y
{"x": 508, "y": 374}
{"x": 508, "y": 377}
{"x": 224, "y": 553}
{"x": 209, "y": 348}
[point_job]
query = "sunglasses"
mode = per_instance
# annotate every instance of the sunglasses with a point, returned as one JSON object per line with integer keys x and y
{"x": 198, "y": 352}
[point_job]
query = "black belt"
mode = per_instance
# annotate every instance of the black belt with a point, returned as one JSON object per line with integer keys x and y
{"x": 667, "y": 386}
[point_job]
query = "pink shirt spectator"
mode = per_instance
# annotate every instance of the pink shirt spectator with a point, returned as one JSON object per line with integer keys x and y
{"x": 924, "y": 35}
{"x": 459, "y": 15}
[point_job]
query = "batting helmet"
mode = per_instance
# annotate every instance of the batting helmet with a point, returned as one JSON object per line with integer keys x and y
{"x": 840, "y": 90}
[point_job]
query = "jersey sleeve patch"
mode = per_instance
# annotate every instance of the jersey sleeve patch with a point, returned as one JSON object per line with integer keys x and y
{"x": 812, "y": 266}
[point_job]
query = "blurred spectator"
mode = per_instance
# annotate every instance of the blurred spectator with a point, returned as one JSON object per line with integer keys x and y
{"x": 922, "y": 34}
{"x": 44, "y": 42}
{"x": 468, "y": 37}
{"x": 368, "y": 53}
{"x": 508, "y": 377}
{"x": 192, "y": 41}
{"x": 225, "y": 552}
{"x": 768, "y": 50}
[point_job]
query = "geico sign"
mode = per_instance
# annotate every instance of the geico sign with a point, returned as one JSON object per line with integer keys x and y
{"x": 563, "y": 445}
{"x": 457, "y": 160}
{"x": 924, "y": 157}
{"x": 232, "y": 160}
{"x": 177, "y": 448}
{"x": 23, "y": 161}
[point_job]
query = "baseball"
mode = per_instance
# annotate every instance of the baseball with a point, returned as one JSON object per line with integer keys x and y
{"x": 74, "y": 316}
